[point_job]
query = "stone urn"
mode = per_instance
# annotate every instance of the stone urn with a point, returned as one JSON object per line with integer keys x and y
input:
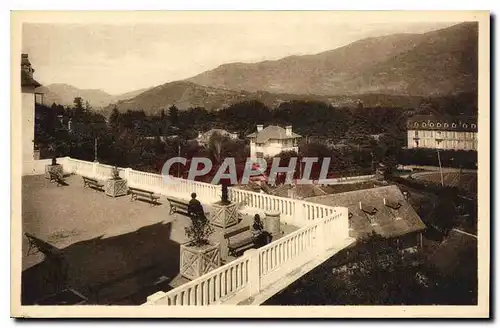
{"x": 115, "y": 186}
{"x": 53, "y": 168}
{"x": 272, "y": 223}
{"x": 195, "y": 261}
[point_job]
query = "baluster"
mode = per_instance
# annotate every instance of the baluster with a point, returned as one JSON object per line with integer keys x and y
{"x": 205, "y": 293}
{"x": 199, "y": 298}
{"x": 211, "y": 290}
{"x": 192, "y": 295}
{"x": 234, "y": 283}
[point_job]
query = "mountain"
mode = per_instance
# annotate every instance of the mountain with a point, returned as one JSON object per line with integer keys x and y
{"x": 435, "y": 63}
{"x": 187, "y": 94}
{"x": 64, "y": 94}
{"x": 129, "y": 95}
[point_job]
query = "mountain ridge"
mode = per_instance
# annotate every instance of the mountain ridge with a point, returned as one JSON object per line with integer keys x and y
{"x": 340, "y": 70}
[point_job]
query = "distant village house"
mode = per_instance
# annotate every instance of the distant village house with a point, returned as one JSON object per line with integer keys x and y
{"x": 272, "y": 140}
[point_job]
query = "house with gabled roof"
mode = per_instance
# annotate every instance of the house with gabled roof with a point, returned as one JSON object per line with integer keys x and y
{"x": 272, "y": 140}
{"x": 382, "y": 210}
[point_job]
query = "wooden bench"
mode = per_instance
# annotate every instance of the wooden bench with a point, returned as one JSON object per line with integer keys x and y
{"x": 38, "y": 245}
{"x": 244, "y": 241}
{"x": 178, "y": 205}
{"x": 150, "y": 196}
{"x": 92, "y": 183}
{"x": 56, "y": 177}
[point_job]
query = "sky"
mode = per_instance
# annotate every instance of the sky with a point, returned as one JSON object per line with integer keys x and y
{"x": 124, "y": 57}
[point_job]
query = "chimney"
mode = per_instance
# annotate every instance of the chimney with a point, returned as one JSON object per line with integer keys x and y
{"x": 288, "y": 130}
{"x": 406, "y": 195}
{"x": 385, "y": 202}
{"x": 260, "y": 127}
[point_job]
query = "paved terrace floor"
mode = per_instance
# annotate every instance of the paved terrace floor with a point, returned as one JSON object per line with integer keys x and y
{"x": 115, "y": 251}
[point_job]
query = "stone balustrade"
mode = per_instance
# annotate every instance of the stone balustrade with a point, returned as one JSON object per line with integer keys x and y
{"x": 321, "y": 229}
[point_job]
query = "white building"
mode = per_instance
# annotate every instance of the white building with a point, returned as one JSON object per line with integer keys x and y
{"x": 272, "y": 140}
{"x": 442, "y": 132}
{"x": 28, "y": 85}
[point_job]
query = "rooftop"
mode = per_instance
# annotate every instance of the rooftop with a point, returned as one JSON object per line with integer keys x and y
{"x": 116, "y": 251}
{"x": 369, "y": 211}
{"x": 272, "y": 132}
{"x": 442, "y": 123}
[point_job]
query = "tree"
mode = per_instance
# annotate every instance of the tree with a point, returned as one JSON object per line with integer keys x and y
{"x": 78, "y": 104}
{"x": 114, "y": 119}
{"x": 173, "y": 115}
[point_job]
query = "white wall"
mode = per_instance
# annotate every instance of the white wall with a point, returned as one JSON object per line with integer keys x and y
{"x": 37, "y": 167}
{"x": 272, "y": 147}
{"x": 28, "y": 123}
{"x": 456, "y": 140}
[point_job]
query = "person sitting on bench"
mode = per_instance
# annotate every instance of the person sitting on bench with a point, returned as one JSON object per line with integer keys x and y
{"x": 195, "y": 209}
{"x": 261, "y": 237}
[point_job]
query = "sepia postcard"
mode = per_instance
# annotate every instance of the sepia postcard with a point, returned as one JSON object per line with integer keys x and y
{"x": 250, "y": 164}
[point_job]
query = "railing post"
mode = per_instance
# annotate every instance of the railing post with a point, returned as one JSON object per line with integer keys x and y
{"x": 127, "y": 173}
{"x": 321, "y": 236}
{"x": 299, "y": 215}
{"x": 94, "y": 169}
{"x": 344, "y": 217}
{"x": 253, "y": 271}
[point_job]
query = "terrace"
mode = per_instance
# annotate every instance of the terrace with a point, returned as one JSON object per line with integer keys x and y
{"x": 122, "y": 252}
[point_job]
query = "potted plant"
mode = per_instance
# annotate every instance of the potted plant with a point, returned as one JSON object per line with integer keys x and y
{"x": 116, "y": 186}
{"x": 199, "y": 255}
{"x": 54, "y": 167}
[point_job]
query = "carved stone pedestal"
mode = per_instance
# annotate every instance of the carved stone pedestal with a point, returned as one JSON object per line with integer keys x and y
{"x": 197, "y": 261}
{"x": 224, "y": 216}
{"x": 115, "y": 188}
{"x": 57, "y": 169}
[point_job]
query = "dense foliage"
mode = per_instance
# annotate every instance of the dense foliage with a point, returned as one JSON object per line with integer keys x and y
{"x": 355, "y": 138}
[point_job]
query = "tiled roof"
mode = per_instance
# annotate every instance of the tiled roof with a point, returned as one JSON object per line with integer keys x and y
{"x": 301, "y": 191}
{"x": 272, "y": 132}
{"x": 387, "y": 221}
{"x": 442, "y": 123}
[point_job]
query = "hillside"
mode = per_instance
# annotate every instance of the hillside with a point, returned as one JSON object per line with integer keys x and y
{"x": 434, "y": 63}
{"x": 64, "y": 94}
{"x": 186, "y": 94}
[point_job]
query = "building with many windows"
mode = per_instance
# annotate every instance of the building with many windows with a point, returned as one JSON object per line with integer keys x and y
{"x": 28, "y": 98}
{"x": 442, "y": 132}
{"x": 272, "y": 140}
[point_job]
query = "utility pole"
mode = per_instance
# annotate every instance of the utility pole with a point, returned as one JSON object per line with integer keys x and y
{"x": 439, "y": 160}
{"x": 178, "y": 165}
{"x": 95, "y": 149}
